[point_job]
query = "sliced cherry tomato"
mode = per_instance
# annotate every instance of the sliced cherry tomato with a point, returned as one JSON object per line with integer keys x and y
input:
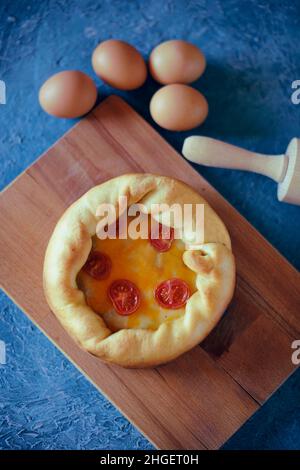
{"x": 164, "y": 240}
{"x": 98, "y": 265}
{"x": 172, "y": 293}
{"x": 125, "y": 296}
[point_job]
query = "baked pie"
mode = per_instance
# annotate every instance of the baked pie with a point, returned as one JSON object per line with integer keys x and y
{"x": 138, "y": 301}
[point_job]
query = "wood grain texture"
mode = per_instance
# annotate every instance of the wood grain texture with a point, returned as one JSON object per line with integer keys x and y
{"x": 202, "y": 398}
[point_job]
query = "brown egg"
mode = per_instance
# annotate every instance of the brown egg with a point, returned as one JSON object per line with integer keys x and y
{"x": 176, "y": 61}
{"x": 119, "y": 64}
{"x": 178, "y": 107}
{"x": 68, "y": 94}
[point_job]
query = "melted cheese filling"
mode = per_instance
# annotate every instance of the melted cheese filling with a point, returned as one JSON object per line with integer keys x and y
{"x": 139, "y": 262}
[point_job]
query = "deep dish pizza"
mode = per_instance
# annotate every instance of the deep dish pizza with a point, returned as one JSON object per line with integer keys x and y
{"x": 138, "y": 302}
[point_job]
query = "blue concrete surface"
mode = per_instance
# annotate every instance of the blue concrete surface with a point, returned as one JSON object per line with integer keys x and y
{"x": 253, "y": 56}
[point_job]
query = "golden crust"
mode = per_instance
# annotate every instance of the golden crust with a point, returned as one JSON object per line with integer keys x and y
{"x": 71, "y": 243}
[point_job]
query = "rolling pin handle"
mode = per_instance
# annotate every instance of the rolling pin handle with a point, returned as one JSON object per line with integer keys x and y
{"x": 211, "y": 152}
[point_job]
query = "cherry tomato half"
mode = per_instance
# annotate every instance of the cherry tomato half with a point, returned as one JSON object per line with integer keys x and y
{"x": 164, "y": 240}
{"x": 125, "y": 296}
{"x": 172, "y": 293}
{"x": 98, "y": 265}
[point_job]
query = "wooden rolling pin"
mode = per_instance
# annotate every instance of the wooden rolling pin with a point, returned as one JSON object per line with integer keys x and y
{"x": 284, "y": 169}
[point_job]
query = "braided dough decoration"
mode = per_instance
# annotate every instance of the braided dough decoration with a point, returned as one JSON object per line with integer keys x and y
{"x": 68, "y": 250}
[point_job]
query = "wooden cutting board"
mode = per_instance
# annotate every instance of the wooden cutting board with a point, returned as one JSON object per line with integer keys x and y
{"x": 201, "y": 399}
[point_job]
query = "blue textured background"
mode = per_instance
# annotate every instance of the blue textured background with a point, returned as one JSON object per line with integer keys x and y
{"x": 253, "y": 56}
